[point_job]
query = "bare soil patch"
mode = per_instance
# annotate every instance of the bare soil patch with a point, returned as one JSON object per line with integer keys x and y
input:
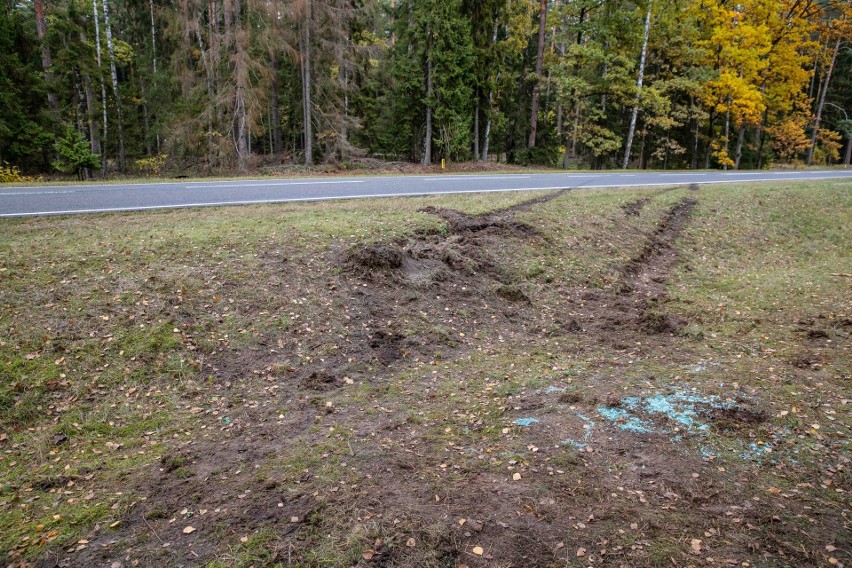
{"x": 419, "y": 401}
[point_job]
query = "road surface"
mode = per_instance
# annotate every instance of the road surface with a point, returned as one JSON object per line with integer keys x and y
{"x": 65, "y": 200}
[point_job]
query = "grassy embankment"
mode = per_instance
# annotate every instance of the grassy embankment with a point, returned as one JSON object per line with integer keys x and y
{"x": 335, "y": 383}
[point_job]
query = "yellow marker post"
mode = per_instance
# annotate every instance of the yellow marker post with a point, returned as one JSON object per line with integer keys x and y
{"x": 443, "y": 163}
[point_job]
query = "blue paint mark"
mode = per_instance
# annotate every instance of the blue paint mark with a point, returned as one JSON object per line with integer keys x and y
{"x": 668, "y": 406}
{"x": 552, "y": 389}
{"x": 756, "y": 452}
{"x": 625, "y": 420}
{"x": 588, "y": 426}
{"x": 574, "y": 443}
{"x": 526, "y": 421}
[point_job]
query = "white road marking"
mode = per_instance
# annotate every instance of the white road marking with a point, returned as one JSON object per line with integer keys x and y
{"x": 442, "y": 178}
{"x": 240, "y": 185}
{"x": 36, "y": 193}
{"x": 379, "y": 195}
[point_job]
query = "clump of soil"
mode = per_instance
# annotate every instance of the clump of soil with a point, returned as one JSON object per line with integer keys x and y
{"x": 388, "y": 346}
{"x": 375, "y": 257}
{"x": 512, "y": 293}
{"x": 500, "y": 220}
{"x": 662, "y": 322}
{"x": 738, "y": 416}
{"x": 321, "y": 380}
{"x": 806, "y": 360}
{"x": 633, "y": 208}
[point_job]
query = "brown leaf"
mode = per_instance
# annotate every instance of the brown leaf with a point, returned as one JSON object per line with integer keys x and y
{"x": 581, "y": 552}
{"x": 189, "y": 530}
{"x": 368, "y": 554}
{"x": 695, "y": 545}
{"x": 410, "y": 543}
{"x": 478, "y": 550}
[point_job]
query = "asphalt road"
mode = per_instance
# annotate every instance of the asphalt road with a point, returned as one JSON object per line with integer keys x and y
{"x": 64, "y": 200}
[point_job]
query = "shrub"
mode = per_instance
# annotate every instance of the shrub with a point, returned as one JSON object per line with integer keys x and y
{"x": 11, "y": 174}
{"x": 152, "y": 166}
{"x": 75, "y": 155}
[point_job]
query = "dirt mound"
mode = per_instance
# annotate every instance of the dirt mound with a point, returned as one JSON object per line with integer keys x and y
{"x": 738, "y": 416}
{"x": 374, "y": 257}
{"x": 460, "y": 223}
{"x": 499, "y": 219}
{"x": 633, "y": 208}
{"x": 388, "y": 346}
{"x": 321, "y": 380}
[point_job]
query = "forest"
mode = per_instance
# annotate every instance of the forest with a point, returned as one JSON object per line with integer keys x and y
{"x": 97, "y": 87}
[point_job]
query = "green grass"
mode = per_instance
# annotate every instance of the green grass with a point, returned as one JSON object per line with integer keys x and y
{"x": 109, "y": 326}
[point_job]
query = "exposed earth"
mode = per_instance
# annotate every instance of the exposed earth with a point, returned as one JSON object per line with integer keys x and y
{"x": 573, "y": 379}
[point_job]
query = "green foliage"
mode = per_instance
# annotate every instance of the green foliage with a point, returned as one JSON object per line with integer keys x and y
{"x": 712, "y": 68}
{"x": 11, "y": 174}
{"x": 153, "y": 165}
{"x": 24, "y": 125}
{"x": 74, "y": 154}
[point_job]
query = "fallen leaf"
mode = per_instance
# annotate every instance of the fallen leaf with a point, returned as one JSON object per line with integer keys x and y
{"x": 830, "y": 548}
{"x": 478, "y": 550}
{"x": 243, "y": 539}
{"x": 294, "y": 519}
{"x": 695, "y": 545}
{"x": 368, "y": 554}
{"x": 410, "y": 543}
{"x": 581, "y": 552}
{"x": 516, "y": 477}
{"x": 188, "y": 530}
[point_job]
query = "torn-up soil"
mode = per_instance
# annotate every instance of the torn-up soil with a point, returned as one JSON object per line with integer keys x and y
{"x": 421, "y": 402}
{"x": 637, "y": 303}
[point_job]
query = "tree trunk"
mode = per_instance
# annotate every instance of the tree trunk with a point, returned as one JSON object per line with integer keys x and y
{"x": 146, "y": 118}
{"x": 103, "y": 86}
{"x": 114, "y": 75}
{"x": 848, "y": 156}
{"x": 153, "y": 37}
{"x": 542, "y": 24}
{"x": 46, "y": 59}
{"x": 487, "y": 135}
{"x": 709, "y": 148}
{"x": 727, "y": 134}
{"x": 738, "y": 153}
{"x": 760, "y": 127}
{"x": 241, "y": 76}
{"x": 816, "y": 65}
{"x": 306, "y": 86}
{"x": 576, "y": 130}
{"x": 821, "y": 104}
{"x": 275, "y": 112}
{"x": 476, "y": 128}
{"x": 94, "y": 138}
{"x": 427, "y": 144}
{"x": 693, "y": 160}
{"x": 631, "y": 131}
